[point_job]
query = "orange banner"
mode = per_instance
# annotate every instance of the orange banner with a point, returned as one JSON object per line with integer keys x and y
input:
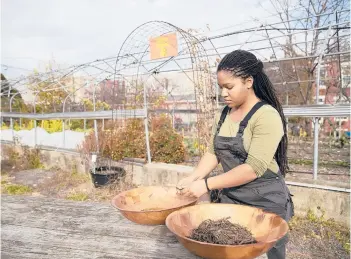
{"x": 164, "y": 46}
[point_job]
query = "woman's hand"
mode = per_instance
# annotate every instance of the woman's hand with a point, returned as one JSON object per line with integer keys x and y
{"x": 207, "y": 163}
{"x": 186, "y": 181}
{"x": 195, "y": 189}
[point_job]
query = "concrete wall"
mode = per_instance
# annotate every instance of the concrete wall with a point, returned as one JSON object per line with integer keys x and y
{"x": 161, "y": 174}
{"x": 334, "y": 204}
{"x": 50, "y": 158}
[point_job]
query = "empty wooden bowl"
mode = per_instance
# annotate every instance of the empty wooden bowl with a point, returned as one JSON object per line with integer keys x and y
{"x": 266, "y": 228}
{"x": 150, "y": 205}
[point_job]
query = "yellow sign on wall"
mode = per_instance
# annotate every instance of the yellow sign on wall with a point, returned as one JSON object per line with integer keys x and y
{"x": 164, "y": 46}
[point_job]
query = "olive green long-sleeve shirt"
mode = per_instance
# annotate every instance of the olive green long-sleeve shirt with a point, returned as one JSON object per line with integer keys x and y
{"x": 261, "y": 137}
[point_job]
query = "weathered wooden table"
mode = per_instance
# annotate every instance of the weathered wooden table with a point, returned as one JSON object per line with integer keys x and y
{"x": 36, "y": 227}
{"x": 33, "y": 227}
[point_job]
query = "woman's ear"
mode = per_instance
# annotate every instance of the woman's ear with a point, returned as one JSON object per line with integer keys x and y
{"x": 249, "y": 82}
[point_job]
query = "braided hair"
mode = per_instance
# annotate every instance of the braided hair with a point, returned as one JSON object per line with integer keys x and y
{"x": 244, "y": 64}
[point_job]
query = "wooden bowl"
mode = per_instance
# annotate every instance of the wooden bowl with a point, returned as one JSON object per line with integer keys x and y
{"x": 267, "y": 228}
{"x": 150, "y": 205}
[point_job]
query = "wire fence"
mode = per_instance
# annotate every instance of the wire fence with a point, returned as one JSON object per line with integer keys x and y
{"x": 308, "y": 63}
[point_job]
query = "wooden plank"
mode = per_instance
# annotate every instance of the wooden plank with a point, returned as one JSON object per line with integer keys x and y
{"x": 29, "y": 240}
{"x": 50, "y": 228}
{"x": 106, "y": 220}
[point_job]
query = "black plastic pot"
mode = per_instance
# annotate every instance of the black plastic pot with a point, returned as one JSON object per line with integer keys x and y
{"x": 100, "y": 179}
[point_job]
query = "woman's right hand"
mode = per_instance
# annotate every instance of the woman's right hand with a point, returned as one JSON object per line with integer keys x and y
{"x": 186, "y": 181}
{"x": 207, "y": 163}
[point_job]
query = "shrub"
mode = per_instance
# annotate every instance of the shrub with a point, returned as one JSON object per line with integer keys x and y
{"x": 13, "y": 156}
{"x": 115, "y": 143}
{"x": 52, "y": 125}
{"x": 33, "y": 158}
{"x": 17, "y": 189}
{"x": 4, "y": 126}
{"x": 128, "y": 140}
{"x": 166, "y": 145}
{"x": 16, "y": 126}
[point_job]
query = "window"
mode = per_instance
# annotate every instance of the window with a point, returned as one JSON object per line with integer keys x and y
{"x": 346, "y": 81}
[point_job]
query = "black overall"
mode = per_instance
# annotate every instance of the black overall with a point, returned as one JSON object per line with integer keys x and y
{"x": 268, "y": 192}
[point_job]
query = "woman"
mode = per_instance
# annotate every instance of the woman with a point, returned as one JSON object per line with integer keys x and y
{"x": 250, "y": 142}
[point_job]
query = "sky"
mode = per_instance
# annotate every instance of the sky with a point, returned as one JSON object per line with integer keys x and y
{"x": 73, "y": 32}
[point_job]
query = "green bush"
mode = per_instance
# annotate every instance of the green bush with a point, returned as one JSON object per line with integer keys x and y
{"x": 129, "y": 141}
{"x": 166, "y": 145}
{"x": 33, "y": 158}
{"x": 118, "y": 142}
{"x": 4, "y": 126}
{"x": 17, "y": 189}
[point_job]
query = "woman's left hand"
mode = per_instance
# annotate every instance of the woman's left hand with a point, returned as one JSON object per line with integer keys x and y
{"x": 195, "y": 189}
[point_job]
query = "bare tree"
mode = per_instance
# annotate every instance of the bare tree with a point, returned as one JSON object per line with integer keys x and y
{"x": 305, "y": 29}
{"x": 312, "y": 18}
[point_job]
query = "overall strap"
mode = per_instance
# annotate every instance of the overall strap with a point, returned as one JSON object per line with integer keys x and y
{"x": 248, "y": 116}
{"x": 222, "y": 118}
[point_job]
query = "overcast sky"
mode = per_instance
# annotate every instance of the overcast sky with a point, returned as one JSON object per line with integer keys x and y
{"x": 73, "y": 32}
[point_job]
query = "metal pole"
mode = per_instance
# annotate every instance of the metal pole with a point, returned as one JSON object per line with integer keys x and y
{"x": 11, "y": 127}
{"x": 315, "y": 151}
{"x": 146, "y": 128}
{"x": 95, "y": 123}
{"x": 339, "y": 60}
{"x": 9, "y": 91}
{"x": 11, "y": 120}
{"x": 103, "y": 121}
{"x": 316, "y": 119}
{"x": 316, "y": 124}
{"x": 85, "y": 122}
{"x": 287, "y": 103}
{"x": 63, "y": 134}
{"x": 35, "y": 122}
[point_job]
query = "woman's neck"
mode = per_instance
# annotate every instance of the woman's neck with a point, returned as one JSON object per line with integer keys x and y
{"x": 248, "y": 104}
{"x": 238, "y": 113}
